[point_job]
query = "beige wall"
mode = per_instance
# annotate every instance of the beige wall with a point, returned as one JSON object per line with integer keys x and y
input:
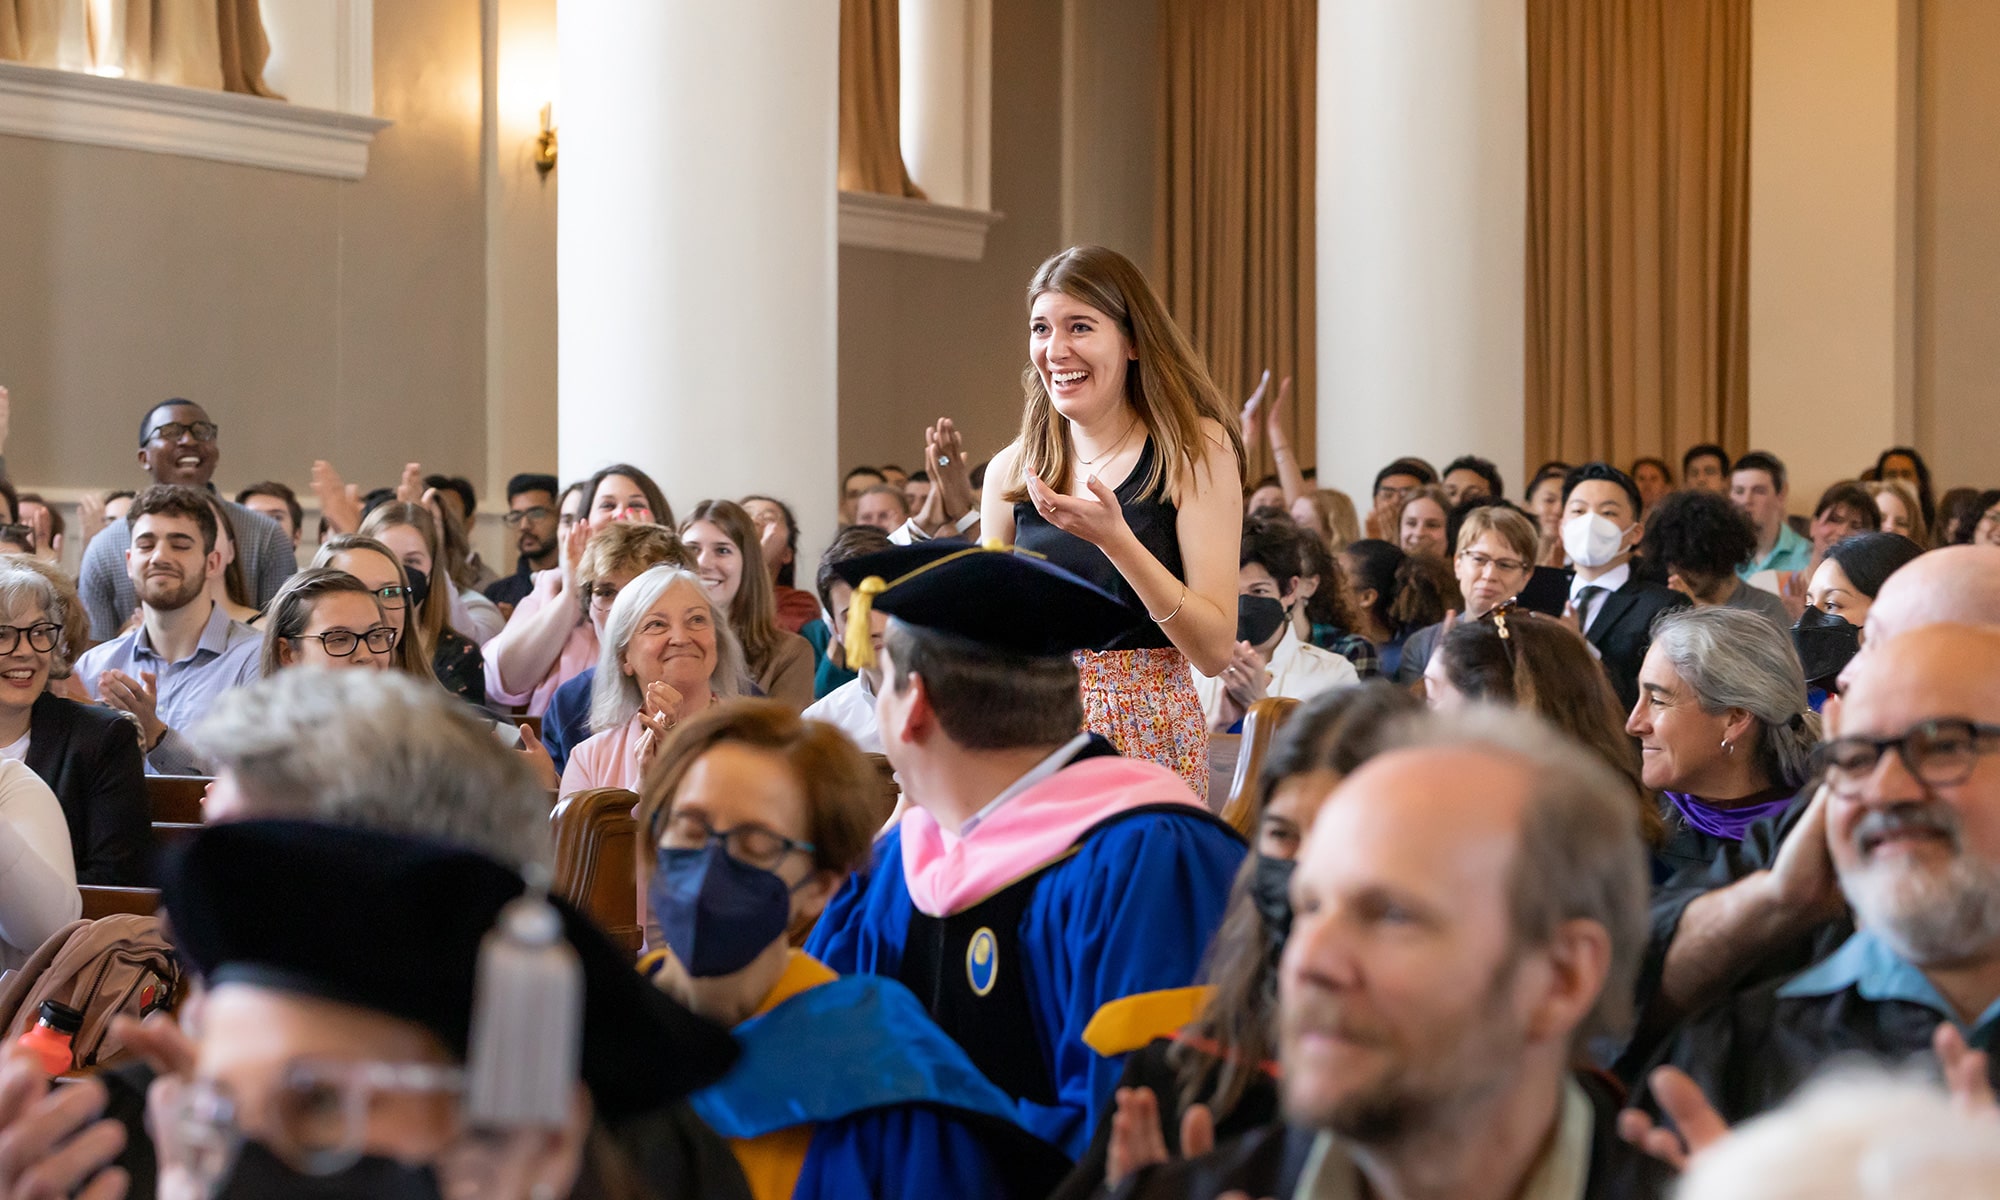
{"x": 311, "y": 316}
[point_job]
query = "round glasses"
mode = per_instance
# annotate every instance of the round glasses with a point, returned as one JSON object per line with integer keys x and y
{"x": 42, "y": 636}
{"x": 342, "y": 643}
{"x": 320, "y": 1114}
{"x": 1941, "y": 753}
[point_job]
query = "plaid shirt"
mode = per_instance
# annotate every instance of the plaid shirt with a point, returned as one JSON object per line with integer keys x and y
{"x": 1353, "y": 647}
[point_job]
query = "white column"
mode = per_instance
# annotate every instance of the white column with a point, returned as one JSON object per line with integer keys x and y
{"x": 946, "y": 90}
{"x": 696, "y": 249}
{"x": 1422, "y": 207}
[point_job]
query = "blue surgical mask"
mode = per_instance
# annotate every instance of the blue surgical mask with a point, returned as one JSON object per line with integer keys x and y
{"x": 716, "y": 913}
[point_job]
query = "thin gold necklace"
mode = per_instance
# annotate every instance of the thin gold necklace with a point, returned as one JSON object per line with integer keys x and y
{"x": 1115, "y": 446}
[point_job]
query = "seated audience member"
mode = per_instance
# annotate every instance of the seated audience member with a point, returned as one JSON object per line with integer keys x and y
{"x": 616, "y": 556}
{"x": 1856, "y": 1134}
{"x": 185, "y": 651}
{"x": 1654, "y": 479}
{"x": 1394, "y": 593}
{"x": 347, "y": 1050}
{"x": 1699, "y": 539}
{"x": 87, "y": 755}
{"x": 38, "y": 893}
{"x": 722, "y": 539}
{"x": 1758, "y": 486}
{"x": 1724, "y": 732}
{"x": 852, "y": 485}
{"x": 1904, "y": 464}
{"x": 1912, "y": 801}
{"x": 1545, "y": 505}
{"x": 917, "y": 490}
{"x": 1705, "y": 468}
{"x": 1214, "y": 1077}
{"x": 1329, "y": 514}
{"x": 396, "y": 591}
{"x": 410, "y": 531}
{"x": 326, "y": 618}
{"x": 45, "y": 521}
{"x": 1470, "y": 475}
{"x": 1843, "y": 589}
{"x": 1019, "y": 895}
{"x": 668, "y": 654}
{"x": 882, "y": 506}
{"x": 1844, "y": 510}
{"x": 1982, "y": 526}
{"x": 1452, "y": 952}
{"x": 454, "y": 505}
{"x": 786, "y": 809}
{"x": 1614, "y": 608}
{"x": 278, "y": 502}
{"x": 17, "y": 540}
{"x": 778, "y": 539}
{"x": 1327, "y": 617}
{"x": 1496, "y": 557}
{"x": 177, "y": 446}
{"x": 1393, "y": 485}
{"x": 850, "y": 707}
{"x": 531, "y": 517}
{"x": 1420, "y": 522}
{"x": 1896, "y": 504}
{"x": 226, "y": 585}
{"x": 1520, "y": 659}
{"x": 894, "y": 475}
{"x": 951, "y": 507}
{"x": 1266, "y": 495}
{"x": 1958, "y": 512}
{"x": 1269, "y": 659}
{"x": 549, "y": 639}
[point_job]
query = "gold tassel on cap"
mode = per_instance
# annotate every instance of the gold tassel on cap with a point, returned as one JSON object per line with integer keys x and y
{"x": 526, "y": 1050}
{"x": 860, "y": 645}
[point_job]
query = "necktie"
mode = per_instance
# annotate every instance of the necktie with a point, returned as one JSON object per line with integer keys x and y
{"x": 1586, "y": 604}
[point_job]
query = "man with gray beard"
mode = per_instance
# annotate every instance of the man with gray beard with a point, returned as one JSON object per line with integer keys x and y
{"x": 1912, "y": 828}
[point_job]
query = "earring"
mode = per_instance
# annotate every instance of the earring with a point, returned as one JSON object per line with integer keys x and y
{"x": 1728, "y": 747}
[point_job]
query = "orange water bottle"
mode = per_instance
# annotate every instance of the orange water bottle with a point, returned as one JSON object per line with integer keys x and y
{"x": 52, "y": 1036}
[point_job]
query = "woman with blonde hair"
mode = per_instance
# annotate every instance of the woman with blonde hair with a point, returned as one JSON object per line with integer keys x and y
{"x": 382, "y": 573}
{"x": 1902, "y": 512}
{"x": 1329, "y": 513}
{"x": 1128, "y": 472}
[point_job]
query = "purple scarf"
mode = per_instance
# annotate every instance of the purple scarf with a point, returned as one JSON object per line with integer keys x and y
{"x": 1729, "y": 824}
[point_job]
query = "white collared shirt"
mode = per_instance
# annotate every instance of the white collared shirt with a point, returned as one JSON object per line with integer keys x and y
{"x": 1299, "y": 671}
{"x": 1036, "y": 774}
{"x": 1610, "y": 581}
{"x": 850, "y": 708}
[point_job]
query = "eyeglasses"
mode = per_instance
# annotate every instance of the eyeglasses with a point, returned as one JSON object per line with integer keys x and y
{"x": 174, "y": 431}
{"x": 319, "y": 1113}
{"x": 41, "y": 636}
{"x": 342, "y": 643}
{"x": 1479, "y": 561}
{"x": 1940, "y": 753}
{"x": 752, "y": 844}
{"x": 518, "y": 517}
{"x": 392, "y": 596}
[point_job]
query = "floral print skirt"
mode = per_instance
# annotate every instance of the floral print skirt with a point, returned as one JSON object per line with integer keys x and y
{"x": 1144, "y": 701}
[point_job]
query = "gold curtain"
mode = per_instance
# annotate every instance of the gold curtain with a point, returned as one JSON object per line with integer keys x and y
{"x": 871, "y": 151}
{"x": 214, "y": 44}
{"x": 1638, "y": 227}
{"x": 1234, "y": 235}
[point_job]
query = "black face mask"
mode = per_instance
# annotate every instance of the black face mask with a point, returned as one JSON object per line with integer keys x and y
{"x": 420, "y": 587}
{"x": 1271, "y": 888}
{"x": 259, "y": 1174}
{"x": 1826, "y": 644}
{"x": 1257, "y": 618}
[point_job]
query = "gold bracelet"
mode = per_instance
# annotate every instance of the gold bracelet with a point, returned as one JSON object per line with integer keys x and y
{"x": 1177, "y": 608}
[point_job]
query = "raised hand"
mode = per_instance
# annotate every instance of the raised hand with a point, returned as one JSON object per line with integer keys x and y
{"x": 90, "y": 516}
{"x": 1965, "y": 1072}
{"x": 1276, "y": 423}
{"x": 1136, "y": 1138}
{"x": 1253, "y": 425}
{"x": 339, "y": 501}
{"x": 952, "y": 480}
{"x": 410, "y": 488}
{"x": 1803, "y": 871}
{"x": 536, "y": 755}
{"x": 1682, "y": 1100}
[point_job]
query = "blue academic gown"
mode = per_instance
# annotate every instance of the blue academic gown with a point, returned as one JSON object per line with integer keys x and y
{"x": 917, "y": 1120}
{"x": 1130, "y": 911}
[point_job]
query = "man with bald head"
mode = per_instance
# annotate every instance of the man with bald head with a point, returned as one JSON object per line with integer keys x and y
{"x": 1911, "y": 823}
{"x": 1769, "y": 906}
{"x": 1451, "y": 952}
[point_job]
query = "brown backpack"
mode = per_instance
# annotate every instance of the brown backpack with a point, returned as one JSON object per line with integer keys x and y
{"x": 112, "y": 966}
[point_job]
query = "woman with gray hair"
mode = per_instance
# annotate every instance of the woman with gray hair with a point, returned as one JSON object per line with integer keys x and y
{"x": 1725, "y": 734}
{"x": 666, "y": 654}
{"x": 88, "y": 755}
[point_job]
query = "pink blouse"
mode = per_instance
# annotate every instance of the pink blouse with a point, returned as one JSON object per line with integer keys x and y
{"x": 608, "y": 759}
{"x": 579, "y": 651}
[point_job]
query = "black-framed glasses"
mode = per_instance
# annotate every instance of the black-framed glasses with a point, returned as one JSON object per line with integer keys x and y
{"x": 342, "y": 643}
{"x": 518, "y": 517}
{"x": 174, "y": 431}
{"x": 752, "y": 844}
{"x": 42, "y": 636}
{"x": 1941, "y": 753}
{"x": 393, "y": 596}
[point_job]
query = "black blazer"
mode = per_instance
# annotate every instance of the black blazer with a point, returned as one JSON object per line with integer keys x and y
{"x": 1622, "y": 630}
{"x": 89, "y": 756}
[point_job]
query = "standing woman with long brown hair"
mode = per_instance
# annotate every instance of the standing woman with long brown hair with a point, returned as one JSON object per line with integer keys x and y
{"x": 1129, "y": 473}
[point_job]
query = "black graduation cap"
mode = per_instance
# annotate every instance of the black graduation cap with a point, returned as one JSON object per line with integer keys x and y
{"x": 395, "y": 924}
{"x": 1009, "y": 600}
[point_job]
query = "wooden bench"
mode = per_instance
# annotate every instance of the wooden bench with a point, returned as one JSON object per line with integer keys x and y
{"x": 176, "y": 799}
{"x": 111, "y": 901}
{"x": 172, "y": 833}
{"x": 1260, "y": 728}
{"x": 596, "y": 860}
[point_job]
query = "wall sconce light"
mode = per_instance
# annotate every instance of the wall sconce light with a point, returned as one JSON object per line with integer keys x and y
{"x": 545, "y": 145}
